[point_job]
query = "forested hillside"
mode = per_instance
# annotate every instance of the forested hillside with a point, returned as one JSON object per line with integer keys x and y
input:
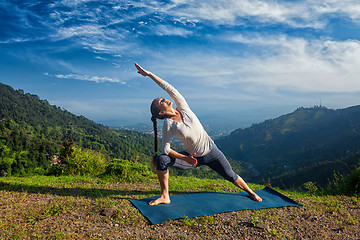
{"x": 310, "y": 144}
{"x": 32, "y": 131}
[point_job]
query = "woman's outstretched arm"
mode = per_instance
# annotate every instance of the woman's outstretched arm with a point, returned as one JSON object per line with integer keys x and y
{"x": 180, "y": 101}
{"x": 174, "y": 94}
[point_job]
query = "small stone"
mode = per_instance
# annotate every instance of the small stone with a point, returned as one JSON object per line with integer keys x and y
{"x": 314, "y": 218}
{"x": 108, "y": 211}
{"x": 263, "y": 227}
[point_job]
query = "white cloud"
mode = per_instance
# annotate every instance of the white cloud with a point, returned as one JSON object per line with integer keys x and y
{"x": 163, "y": 30}
{"x": 226, "y": 12}
{"x": 100, "y": 58}
{"x": 103, "y": 27}
{"x": 84, "y": 30}
{"x": 310, "y": 13}
{"x": 350, "y": 8}
{"x": 87, "y": 78}
{"x": 286, "y": 64}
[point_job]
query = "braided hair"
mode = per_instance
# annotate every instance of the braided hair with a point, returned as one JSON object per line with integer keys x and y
{"x": 154, "y": 109}
{"x": 153, "y": 162}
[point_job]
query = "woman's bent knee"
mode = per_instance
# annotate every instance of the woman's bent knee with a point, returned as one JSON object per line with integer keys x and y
{"x": 162, "y": 162}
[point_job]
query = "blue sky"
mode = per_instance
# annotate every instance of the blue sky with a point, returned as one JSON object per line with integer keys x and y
{"x": 235, "y": 61}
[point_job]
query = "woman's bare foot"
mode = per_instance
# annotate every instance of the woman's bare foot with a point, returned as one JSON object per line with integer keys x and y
{"x": 160, "y": 200}
{"x": 255, "y": 197}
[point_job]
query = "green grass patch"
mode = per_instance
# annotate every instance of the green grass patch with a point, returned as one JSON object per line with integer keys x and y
{"x": 69, "y": 207}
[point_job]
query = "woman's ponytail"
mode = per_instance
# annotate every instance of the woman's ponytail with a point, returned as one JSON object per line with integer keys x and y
{"x": 153, "y": 162}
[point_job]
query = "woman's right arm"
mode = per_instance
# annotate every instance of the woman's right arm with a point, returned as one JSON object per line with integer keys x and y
{"x": 174, "y": 154}
{"x": 189, "y": 159}
{"x": 166, "y": 142}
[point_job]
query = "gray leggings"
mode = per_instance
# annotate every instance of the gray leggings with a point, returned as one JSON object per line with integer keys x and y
{"x": 215, "y": 159}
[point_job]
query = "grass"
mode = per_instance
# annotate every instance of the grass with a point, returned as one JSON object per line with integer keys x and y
{"x": 69, "y": 207}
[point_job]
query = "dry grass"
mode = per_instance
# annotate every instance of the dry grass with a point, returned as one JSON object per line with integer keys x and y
{"x": 70, "y": 208}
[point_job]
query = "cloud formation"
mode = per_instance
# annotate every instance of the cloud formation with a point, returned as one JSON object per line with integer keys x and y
{"x": 305, "y": 65}
{"x": 250, "y": 50}
{"x": 86, "y": 78}
{"x": 116, "y": 19}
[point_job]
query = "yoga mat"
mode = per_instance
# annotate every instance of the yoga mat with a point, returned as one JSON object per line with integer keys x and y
{"x": 209, "y": 203}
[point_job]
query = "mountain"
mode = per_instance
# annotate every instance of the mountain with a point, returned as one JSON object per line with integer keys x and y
{"x": 32, "y": 131}
{"x": 310, "y": 144}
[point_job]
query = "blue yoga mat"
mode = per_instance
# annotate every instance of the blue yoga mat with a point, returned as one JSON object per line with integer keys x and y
{"x": 209, "y": 203}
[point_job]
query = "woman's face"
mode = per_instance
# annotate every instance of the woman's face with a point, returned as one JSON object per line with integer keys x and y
{"x": 163, "y": 104}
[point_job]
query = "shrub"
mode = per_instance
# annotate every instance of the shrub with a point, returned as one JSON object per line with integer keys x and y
{"x": 310, "y": 187}
{"x": 352, "y": 183}
{"x": 5, "y": 165}
{"x": 84, "y": 162}
{"x": 80, "y": 162}
{"x": 128, "y": 171}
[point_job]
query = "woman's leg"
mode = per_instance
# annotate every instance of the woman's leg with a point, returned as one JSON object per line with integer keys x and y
{"x": 162, "y": 163}
{"x": 163, "y": 177}
{"x": 217, "y": 161}
{"x": 242, "y": 185}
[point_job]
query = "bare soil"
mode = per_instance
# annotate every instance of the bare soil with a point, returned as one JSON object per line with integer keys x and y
{"x": 58, "y": 212}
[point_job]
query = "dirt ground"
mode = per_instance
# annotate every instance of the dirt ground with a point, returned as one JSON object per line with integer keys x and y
{"x": 57, "y": 213}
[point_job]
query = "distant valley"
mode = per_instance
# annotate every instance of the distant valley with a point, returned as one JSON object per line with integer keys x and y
{"x": 148, "y": 129}
{"x": 310, "y": 144}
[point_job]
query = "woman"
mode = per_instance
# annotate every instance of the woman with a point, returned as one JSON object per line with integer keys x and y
{"x": 199, "y": 148}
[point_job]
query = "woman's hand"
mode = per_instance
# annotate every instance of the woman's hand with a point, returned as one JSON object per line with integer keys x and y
{"x": 141, "y": 70}
{"x": 191, "y": 159}
{"x": 148, "y": 74}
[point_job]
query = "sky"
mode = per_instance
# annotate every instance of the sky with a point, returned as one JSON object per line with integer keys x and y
{"x": 237, "y": 62}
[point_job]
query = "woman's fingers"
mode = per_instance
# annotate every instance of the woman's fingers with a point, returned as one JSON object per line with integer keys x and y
{"x": 137, "y": 66}
{"x": 141, "y": 70}
{"x": 193, "y": 159}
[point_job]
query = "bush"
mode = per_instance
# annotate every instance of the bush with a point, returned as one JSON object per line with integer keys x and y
{"x": 5, "y": 165}
{"x": 310, "y": 187}
{"x": 84, "y": 162}
{"x": 80, "y": 162}
{"x": 128, "y": 171}
{"x": 352, "y": 183}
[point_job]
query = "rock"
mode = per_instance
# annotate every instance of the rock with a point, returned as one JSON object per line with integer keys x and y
{"x": 263, "y": 227}
{"x": 108, "y": 211}
{"x": 307, "y": 215}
